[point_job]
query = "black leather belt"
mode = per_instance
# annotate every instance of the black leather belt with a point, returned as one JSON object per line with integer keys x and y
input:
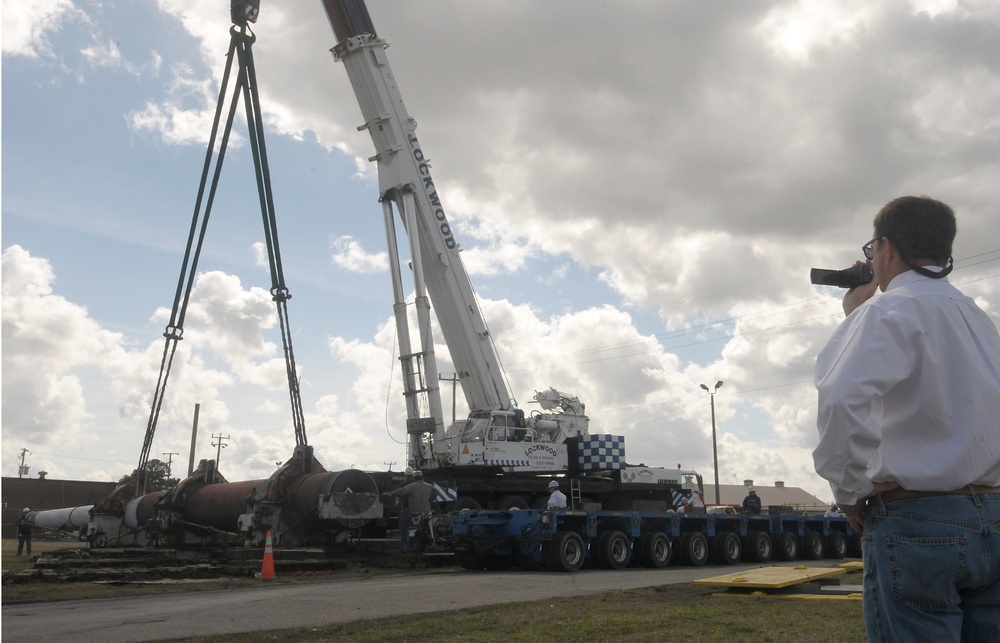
{"x": 906, "y": 494}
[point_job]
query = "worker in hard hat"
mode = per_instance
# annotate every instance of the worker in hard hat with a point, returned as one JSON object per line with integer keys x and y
{"x": 404, "y": 512}
{"x": 416, "y": 496}
{"x": 23, "y": 532}
{"x": 751, "y": 504}
{"x": 557, "y": 499}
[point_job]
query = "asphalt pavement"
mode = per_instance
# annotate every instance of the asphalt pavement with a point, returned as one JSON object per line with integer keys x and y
{"x": 275, "y": 606}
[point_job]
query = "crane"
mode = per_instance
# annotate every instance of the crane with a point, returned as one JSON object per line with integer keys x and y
{"x": 496, "y": 430}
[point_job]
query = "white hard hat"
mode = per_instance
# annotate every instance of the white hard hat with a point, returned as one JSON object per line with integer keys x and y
{"x": 553, "y": 485}
{"x": 752, "y": 490}
{"x": 25, "y": 510}
{"x": 409, "y": 471}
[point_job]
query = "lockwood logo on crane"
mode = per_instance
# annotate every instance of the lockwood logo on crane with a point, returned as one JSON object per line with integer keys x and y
{"x": 424, "y": 168}
{"x": 541, "y": 447}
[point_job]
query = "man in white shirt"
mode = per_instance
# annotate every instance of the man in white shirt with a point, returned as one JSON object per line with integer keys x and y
{"x": 557, "y": 499}
{"x": 909, "y": 424}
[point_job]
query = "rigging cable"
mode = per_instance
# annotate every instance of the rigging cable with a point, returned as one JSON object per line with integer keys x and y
{"x": 240, "y": 48}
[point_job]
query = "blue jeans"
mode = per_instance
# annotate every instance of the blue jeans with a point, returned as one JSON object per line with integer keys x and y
{"x": 932, "y": 569}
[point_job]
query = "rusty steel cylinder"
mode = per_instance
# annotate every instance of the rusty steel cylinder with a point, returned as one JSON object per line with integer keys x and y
{"x": 219, "y": 505}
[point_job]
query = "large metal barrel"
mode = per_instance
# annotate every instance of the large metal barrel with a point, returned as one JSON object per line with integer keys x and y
{"x": 139, "y": 510}
{"x": 349, "y": 495}
{"x": 219, "y": 505}
{"x": 66, "y": 519}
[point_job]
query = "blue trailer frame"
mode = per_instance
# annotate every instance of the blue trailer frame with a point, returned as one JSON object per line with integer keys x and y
{"x": 566, "y": 540}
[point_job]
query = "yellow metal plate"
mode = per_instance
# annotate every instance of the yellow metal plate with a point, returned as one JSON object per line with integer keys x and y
{"x": 795, "y": 597}
{"x": 772, "y": 577}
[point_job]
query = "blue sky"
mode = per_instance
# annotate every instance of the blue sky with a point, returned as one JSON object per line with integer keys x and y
{"x": 640, "y": 191}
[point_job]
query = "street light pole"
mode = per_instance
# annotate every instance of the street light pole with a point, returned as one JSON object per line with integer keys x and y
{"x": 715, "y": 444}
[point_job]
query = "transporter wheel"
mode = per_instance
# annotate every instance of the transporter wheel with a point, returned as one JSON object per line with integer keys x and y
{"x": 466, "y": 556}
{"x": 654, "y": 550}
{"x": 812, "y": 546}
{"x": 565, "y": 552}
{"x": 464, "y": 502}
{"x": 788, "y": 546}
{"x": 614, "y": 550}
{"x": 680, "y": 549}
{"x": 758, "y": 547}
{"x": 596, "y": 547}
{"x": 728, "y": 548}
{"x": 511, "y": 503}
{"x": 836, "y": 545}
{"x": 695, "y": 548}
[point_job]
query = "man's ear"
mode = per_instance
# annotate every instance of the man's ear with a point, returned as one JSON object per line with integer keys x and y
{"x": 889, "y": 247}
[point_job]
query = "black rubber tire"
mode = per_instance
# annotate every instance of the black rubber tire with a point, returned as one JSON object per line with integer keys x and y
{"x": 466, "y": 557}
{"x": 728, "y": 548}
{"x": 836, "y": 545}
{"x": 597, "y": 549}
{"x": 565, "y": 552}
{"x": 812, "y": 546}
{"x": 696, "y": 549}
{"x": 464, "y": 502}
{"x": 787, "y": 547}
{"x": 654, "y": 550}
{"x": 615, "y": 550}
{"x": 508, "y": 503}
{"x": 758, "y": 547}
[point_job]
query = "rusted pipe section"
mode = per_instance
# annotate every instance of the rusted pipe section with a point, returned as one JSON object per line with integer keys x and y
{"x": 219, "y": 505}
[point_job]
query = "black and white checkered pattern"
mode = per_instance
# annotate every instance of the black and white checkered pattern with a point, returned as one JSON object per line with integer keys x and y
{"x": 601, "y": 452}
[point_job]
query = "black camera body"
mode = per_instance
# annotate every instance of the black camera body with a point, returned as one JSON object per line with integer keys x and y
{"x": 847, "y": 278}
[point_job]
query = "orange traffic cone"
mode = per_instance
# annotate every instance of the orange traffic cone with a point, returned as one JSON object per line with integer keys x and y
{"x": 267, "y": 568}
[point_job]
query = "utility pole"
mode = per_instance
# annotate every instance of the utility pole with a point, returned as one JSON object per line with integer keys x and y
{"x": 170, "y": 458}
{"x": 194, "y": 440}
{"x": 715, "y": 446}
{"x": 220, "y": 445}
{"x": 23, "y": 470}
{"x": 454, "y": 391}
{"x": 389, "y": 464}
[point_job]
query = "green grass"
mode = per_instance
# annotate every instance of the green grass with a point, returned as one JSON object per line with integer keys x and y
{"x": 667, "y": 613}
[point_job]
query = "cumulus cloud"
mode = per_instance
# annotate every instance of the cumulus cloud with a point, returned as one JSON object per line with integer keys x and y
{"x": 27, "y": 26}
{"x": 186, "y": 115}
{"x": 72, "y": 389}
{"x": 46, "y": 340}
{"x": 699, "y": 161}
{"x": 349, "y": 254}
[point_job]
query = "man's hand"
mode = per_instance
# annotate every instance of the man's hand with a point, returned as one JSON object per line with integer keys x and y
{"x": 855, "y": 514}
{"x": 859, "y": 294}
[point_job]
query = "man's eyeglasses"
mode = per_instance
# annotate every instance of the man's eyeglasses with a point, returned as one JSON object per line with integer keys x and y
{"x": 868, "y": 248}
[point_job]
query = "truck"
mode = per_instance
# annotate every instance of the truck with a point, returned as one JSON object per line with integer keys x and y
{"x": 566, "y": 540}
{"x": 498, "y": 457}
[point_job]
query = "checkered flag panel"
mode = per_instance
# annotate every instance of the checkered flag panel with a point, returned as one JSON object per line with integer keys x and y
{"x": 600, "y": 452}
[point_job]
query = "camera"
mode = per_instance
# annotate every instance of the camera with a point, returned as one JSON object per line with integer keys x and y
{"x": 847, "y": 278}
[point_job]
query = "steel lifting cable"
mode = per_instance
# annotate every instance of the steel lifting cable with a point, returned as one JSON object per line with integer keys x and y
{"x": 279, "y": 292}
{"x": 239, "y": 48}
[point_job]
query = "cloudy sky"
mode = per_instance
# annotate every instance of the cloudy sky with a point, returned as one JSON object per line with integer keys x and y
{"x": 640, "y": 190}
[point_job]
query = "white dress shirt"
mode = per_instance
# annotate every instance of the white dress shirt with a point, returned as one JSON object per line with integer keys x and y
{"x": 909, "y": 392}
